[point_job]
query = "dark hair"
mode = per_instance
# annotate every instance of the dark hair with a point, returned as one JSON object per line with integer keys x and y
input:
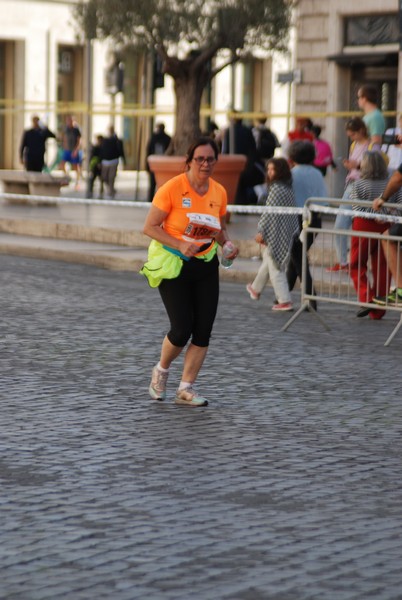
{"x": 316, "y": 129}
{"x": 309, "y": 124}
{"x": 373, "y": 166}
{"x": 282, "y": 169}
{"x": 201, "y": 141}
{"x": 369, "y": 92}
{"x": 356, "y": 124}
{"x": 302, "y": 152}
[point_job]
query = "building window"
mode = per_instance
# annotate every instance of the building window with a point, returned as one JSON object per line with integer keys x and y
{"x": 372, "y": 30}
{"x": 66, "y": 61}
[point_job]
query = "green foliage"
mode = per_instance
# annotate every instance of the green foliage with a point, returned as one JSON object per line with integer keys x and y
{"x": 187, "y": 35}
{"x": 182, "y": 25}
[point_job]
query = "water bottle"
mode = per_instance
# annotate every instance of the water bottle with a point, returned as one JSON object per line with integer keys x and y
{"x": 227, "y": 250}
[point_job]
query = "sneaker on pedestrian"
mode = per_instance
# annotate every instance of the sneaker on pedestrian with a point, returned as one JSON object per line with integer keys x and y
{"x": 394, "y": 297}
{"x": 337, "y": 267}
{"x": 283, "y": 306}
{"x": 253, "y": 294}
{"x": 189, "y": 397}
{"x": 157, "y": 387}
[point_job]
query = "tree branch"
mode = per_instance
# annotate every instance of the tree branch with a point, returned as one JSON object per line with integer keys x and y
{"x": 235, "y": 58}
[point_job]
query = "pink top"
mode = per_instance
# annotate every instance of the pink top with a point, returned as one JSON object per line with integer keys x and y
{"x": 356, "y": 152}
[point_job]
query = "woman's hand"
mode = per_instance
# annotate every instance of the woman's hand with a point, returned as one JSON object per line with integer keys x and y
{"x": 188, "y": 248}
{"x": 234, "y": 253}
{"x": 259, "y": 239}
{"x": 350, "y": 164}
{"x": 378, "y": 203}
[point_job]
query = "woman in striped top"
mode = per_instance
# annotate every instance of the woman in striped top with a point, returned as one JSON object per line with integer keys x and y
{"x": 374, "y": 178}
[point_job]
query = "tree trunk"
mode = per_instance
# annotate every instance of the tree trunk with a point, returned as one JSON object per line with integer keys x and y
{"x": 189, "y": 84}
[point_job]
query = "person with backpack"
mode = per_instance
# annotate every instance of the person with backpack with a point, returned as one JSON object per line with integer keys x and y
{"x": 323, "y": 151}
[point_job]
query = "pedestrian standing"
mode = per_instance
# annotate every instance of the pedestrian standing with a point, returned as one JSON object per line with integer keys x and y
{"x": 323, "y": 152}
{"x": 33, "y": 145}
{"x": 368, "y": 267}
{"x": 158, "y": 143}
{"x": 392, "y": 248}
{"x": 367, "y": 99}
{"x": 71, "y": 144}
{"x": 95, "y": 167}
{"x": 112, "y": 152}
{"x": 357, "y": 133}
{"x": 187, "y": 221}
{"x": 308, "y": 182}
{"x": 242, "y": 139}
{"x": 392, "y": 146}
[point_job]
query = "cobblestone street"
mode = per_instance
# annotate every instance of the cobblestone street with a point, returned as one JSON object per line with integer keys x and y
{"x": 286, "y": 487}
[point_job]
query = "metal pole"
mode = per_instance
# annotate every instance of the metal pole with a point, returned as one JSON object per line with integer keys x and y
{"x": 231, "y": 124}
{"x": 141, "y": 123}
{"x": 89, "y": 107}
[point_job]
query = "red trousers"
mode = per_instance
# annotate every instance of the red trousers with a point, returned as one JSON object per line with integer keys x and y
{"x": 363, "y": 249}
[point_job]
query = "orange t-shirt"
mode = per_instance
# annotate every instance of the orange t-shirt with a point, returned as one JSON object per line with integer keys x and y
{"x": 191, "y": 217}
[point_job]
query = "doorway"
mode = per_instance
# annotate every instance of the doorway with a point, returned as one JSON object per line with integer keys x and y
{"x": 385, "y": 79}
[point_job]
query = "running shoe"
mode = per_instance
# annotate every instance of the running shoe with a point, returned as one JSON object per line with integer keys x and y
{"x": 189, "y": 397}
{"x": 157, "y": 387}
{"x": 284, "y": 306}
{"x": 394, "y": 297}
{"x": 337, "y": 267}
{"x": 253, "y": 294}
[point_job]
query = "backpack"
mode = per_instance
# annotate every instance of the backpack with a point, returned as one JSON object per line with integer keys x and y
{"x": 323, "y": 153}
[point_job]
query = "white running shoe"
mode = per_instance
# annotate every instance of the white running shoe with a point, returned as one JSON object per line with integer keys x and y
{"x": 189, "y": 397}
{"x": 157, "y": 387}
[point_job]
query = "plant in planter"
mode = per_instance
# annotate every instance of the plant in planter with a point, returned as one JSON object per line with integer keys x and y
{"x": 187, "y": 35}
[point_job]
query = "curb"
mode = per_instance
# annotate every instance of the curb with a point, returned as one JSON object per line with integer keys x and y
{"x": 116, "y": 258}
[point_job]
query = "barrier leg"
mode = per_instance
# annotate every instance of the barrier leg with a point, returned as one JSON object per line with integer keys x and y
{"x": 306, "y": 305}
{"x": 394, "y": 332}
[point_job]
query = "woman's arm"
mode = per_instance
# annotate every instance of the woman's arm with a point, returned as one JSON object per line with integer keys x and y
{"x": 223, "y": 237}
{"x": 153, "y": 228}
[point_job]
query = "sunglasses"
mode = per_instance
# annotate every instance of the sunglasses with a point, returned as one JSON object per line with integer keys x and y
{"x": 210, "y": 160}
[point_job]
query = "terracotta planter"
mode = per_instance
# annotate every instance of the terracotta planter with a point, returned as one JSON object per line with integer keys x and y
{"x": 226, "y": 171}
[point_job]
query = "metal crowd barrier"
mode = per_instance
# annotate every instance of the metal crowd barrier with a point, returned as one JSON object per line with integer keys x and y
{"x": 231, "y": 208}
{"x": 337, "y": 287}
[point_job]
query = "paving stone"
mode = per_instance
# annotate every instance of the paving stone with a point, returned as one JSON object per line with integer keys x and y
{"x": 287, "y": 487}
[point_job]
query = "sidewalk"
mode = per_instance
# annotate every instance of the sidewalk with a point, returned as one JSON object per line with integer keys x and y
{"x": 108, "y": 236}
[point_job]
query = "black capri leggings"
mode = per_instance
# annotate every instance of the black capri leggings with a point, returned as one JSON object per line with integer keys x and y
{"x": 191, "y": 302}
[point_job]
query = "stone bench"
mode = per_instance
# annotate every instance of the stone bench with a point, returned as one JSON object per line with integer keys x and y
{"x": 32, "y": 183}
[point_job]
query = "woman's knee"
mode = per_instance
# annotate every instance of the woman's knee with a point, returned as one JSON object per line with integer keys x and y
{"x": 178, "y": 337}
{"x": 201, "y": 339}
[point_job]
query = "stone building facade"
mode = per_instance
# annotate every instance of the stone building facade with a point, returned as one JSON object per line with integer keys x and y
{"x": 339, "y": 45}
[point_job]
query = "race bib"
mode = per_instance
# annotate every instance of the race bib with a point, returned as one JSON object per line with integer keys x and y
{"x": 201, "y": 228}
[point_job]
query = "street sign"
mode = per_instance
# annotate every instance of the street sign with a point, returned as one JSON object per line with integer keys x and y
{"x": 290, "y": 76}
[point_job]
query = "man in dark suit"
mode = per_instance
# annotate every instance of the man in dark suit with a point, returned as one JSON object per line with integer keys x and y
{"x": 243, "y": 142}
{"x": 33, "y": 145}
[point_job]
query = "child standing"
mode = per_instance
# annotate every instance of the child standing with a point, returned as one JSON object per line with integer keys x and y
{"x": 276, "y": 233}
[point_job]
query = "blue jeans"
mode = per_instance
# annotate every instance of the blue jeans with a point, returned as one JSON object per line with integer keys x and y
{"x": 343, "y": 222}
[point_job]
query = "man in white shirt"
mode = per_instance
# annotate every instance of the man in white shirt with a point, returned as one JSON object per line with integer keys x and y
{"x": 393, "y": 151}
